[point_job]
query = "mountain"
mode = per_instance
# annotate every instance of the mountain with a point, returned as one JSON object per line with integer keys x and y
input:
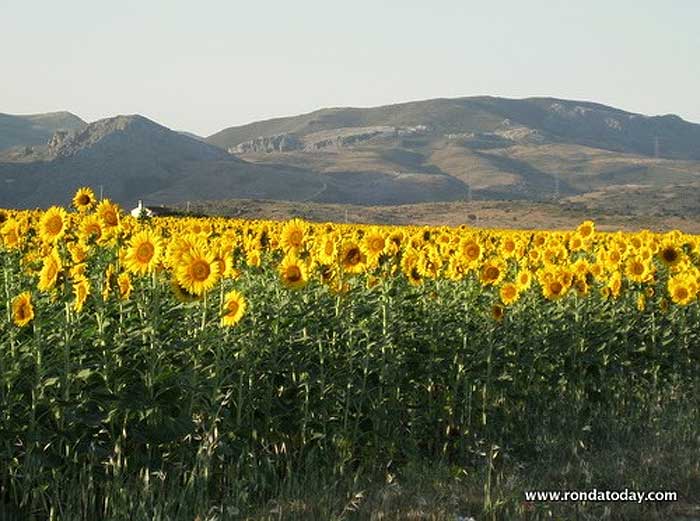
{"x": 556, "y": 120}
{"x": 536, "y": 148}
{"x": 132, "y": 158}
{"x": 35, "y": 129}
{"x": 442, "y": 150}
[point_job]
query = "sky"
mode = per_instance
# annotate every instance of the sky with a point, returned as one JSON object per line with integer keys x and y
{"x": 207, "y": 65}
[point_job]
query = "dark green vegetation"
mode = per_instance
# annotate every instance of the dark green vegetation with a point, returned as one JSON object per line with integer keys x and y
{"x": 393, "y": 400}
{"x": 444, "y": 150}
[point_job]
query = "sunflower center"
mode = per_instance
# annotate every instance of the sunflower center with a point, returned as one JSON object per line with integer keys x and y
{"x": 637, "y": 268}
{"x": 472, "y": 251}
{"x": 353, "y": 256}
{"x": 54, "y": 225}
{"x": 295, "y": 238}
{"x": 377, "y": 244}
{"x": 556, "y": 288}
{"x": 669, "y": 255}
{"x": 200, "y": 270}
{"x": 145, "y": 251}
{"x": 293, "y": 274}
{"x": 492, "y": 273}
{"x": 232, "y": 307}
{"x": 93, "y": 229}
{"x": 84, "y": 200}
{"x": 680, "y": 293}
{"x": 110, "y": 217}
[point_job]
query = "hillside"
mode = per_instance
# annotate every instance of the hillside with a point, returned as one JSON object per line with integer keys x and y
{"x": 556, "y": 120}
{"x": 133, "y": 158}
{"x": 35, "y": 129}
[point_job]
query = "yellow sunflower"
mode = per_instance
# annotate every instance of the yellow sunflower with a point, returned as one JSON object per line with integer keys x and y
{"x": 352, "y": 259}
{"x": 198, "y": 271}
{"x": 90, "y": 227}
{"x": 293, "y": 272}
{"x": 670, "y": 254}
{"x": 51, "y": 267}
{"x": 373, "y": 245}
{"x": 125, "y": 286}
{"x": 84, "y": 199}
{"x": 144, "y": 252}
{"x": 327, "y": 248}
{"x": 492, "y": 272}
{"x": 108, "y": 213}
{"x": 53, "y": 224}
{"x": 81, "y": 290}
{"x": 682, "y": 289}
{"x": 293, "y": 235}
{"x": 234, "y": 308}
{"x": 509, "y": 293}
{"x": 22, "y": 309}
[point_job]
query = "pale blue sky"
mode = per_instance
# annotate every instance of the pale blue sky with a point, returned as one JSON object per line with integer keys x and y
{"x": 206, "y": 65}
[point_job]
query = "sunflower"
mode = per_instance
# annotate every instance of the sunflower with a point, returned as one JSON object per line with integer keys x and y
{"x": 198, "y": 271}
{"x": 670, "y": 255}
{"x": 90, "y": 227}
{"x": 234, "y": 308}
{"x": 586, "y": 229}
{"x": 637, "y": 270}
{"x": 253, "y": 258}
{"x": 144, "y": 252}
{"x": 523, "y": 279}
{"x": 352, "y": 259}
{"x": 51, "y": 267}
{"x": 508, "y": 293}
{"x": 429, "y": 262}
{"x": 682, "y": 289}
{"x": 471, "y": 252}
{"x": 10, "y": 234}
{"x": 553, "y": 288}
{"x": 614, "y": 285}
{"x": 293, "y": 272}
{"x": 293, "y": 235}
{"x": 22, "y": 309}
{"x": 327, "y": 249}
{"x": 84, "y": 199}
{"x": 81, "y": 290}
{"x": 53, "y": 224}
{"x": 492, "y": 272}
{"x": 373, "y": 245}
{"x": 125, "y": 286}
{"x": 108, "y": 213}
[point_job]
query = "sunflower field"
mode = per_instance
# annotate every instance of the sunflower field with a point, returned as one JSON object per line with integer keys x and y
{"x": 212, "y": 359}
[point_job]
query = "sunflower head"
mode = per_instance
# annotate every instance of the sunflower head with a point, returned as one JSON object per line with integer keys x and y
{"x": 84, "y": 199}
{"x": 352, "y": 259}
{"x": 293, "y": 272}
{"x": 234, "y": 308}
{"x": 22, "y": 309}
{"x": 144, "y": 252}
{"x": 198, "y": 271}
{"x": 53, "y": 224}
{"x": 509, "y": 293}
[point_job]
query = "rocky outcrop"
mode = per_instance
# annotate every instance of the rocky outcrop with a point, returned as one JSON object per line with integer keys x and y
{"x": 267, "y": 144}
{"x": 325, "y": 139}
